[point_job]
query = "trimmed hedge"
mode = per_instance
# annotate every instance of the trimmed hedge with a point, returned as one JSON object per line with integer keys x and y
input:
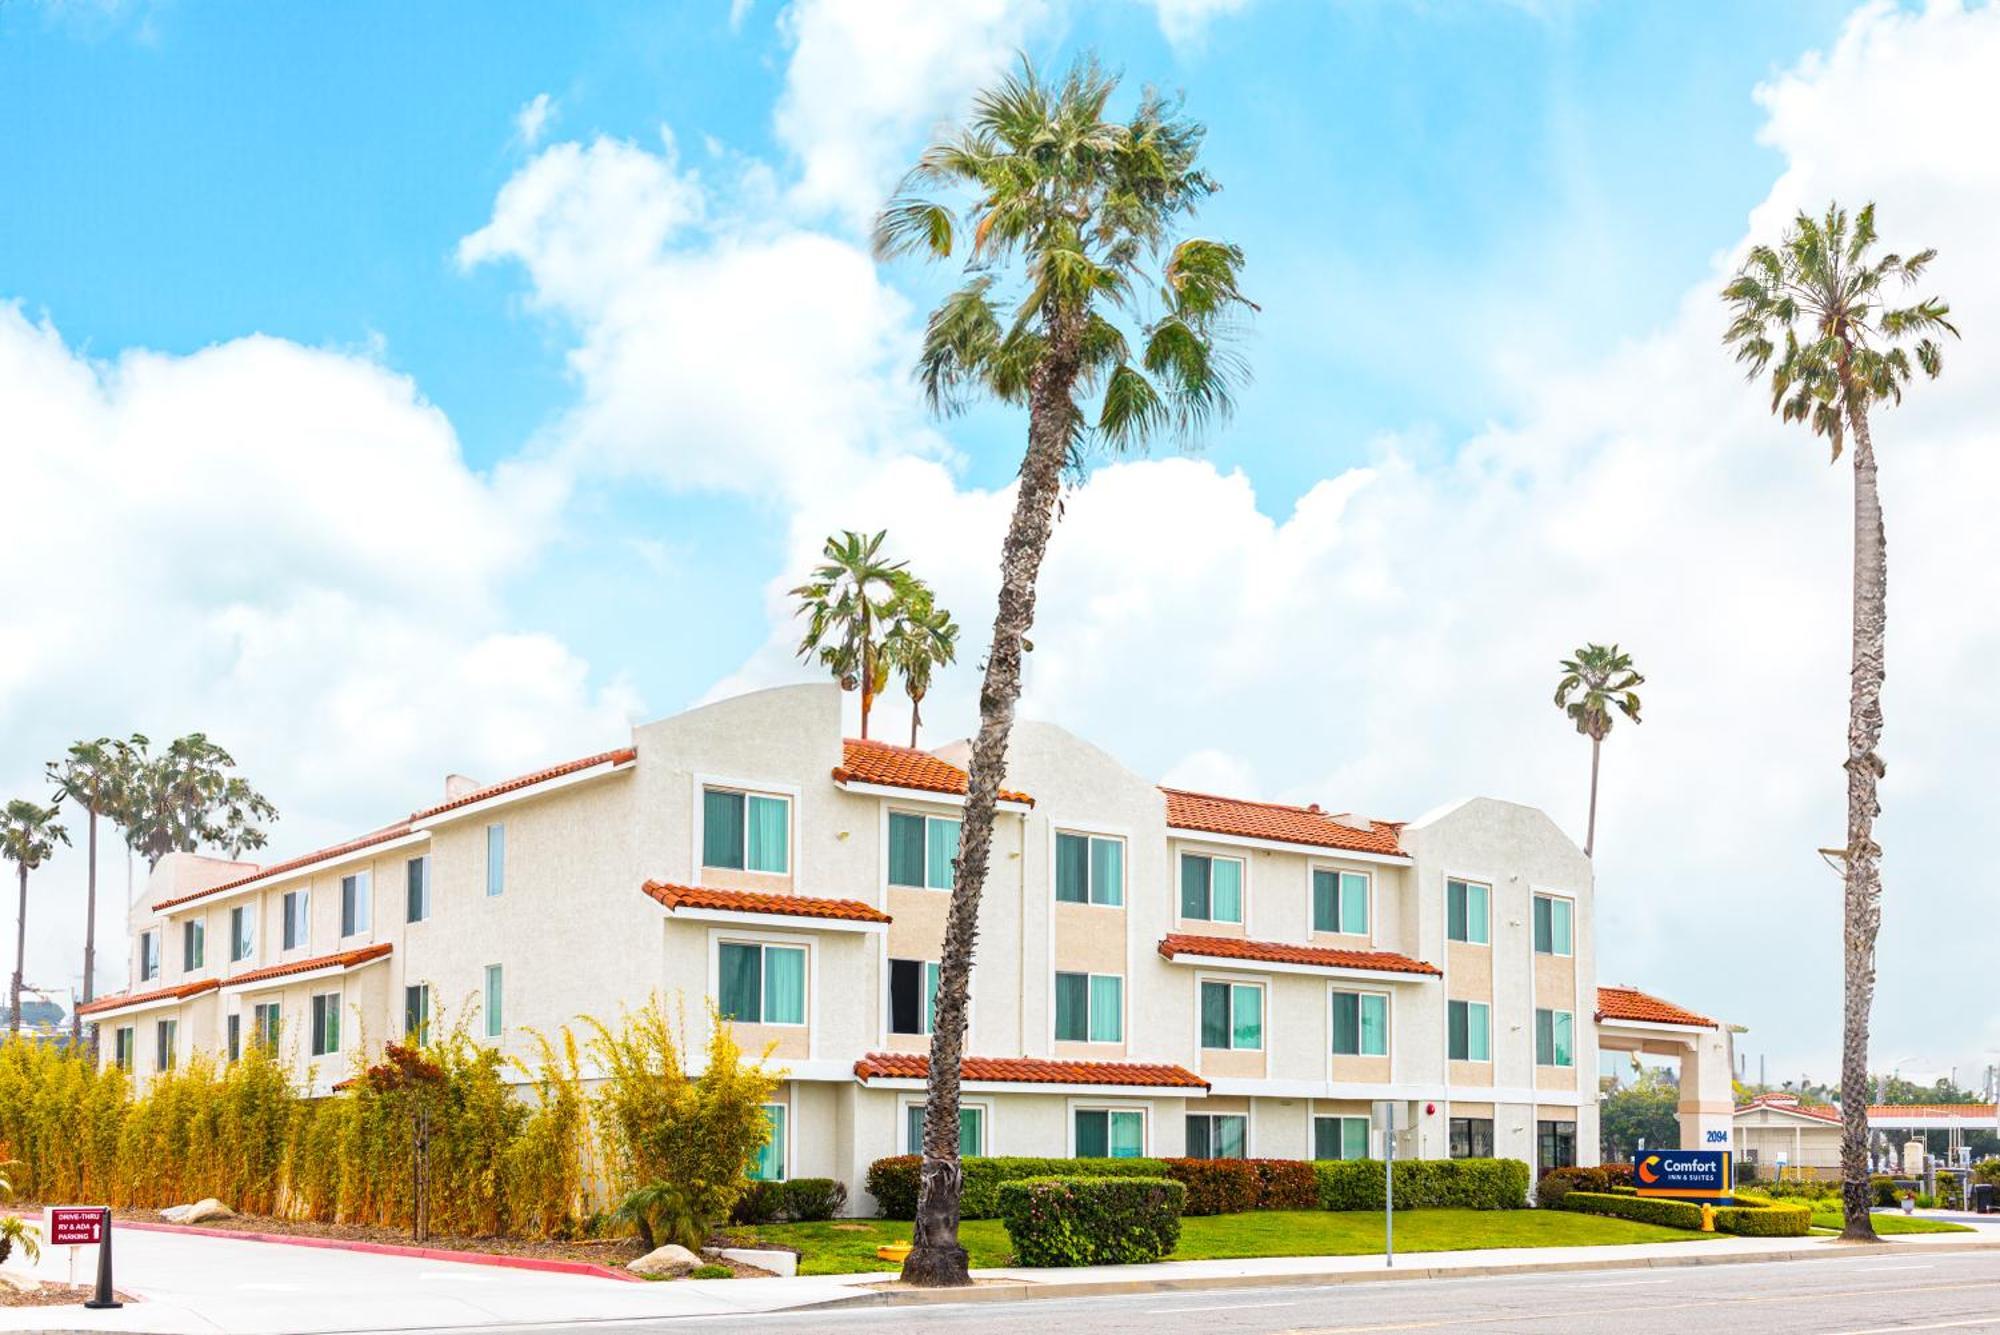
{"x": 1286, "y": 1184}
{"x": 1424, "y": 1184}
{"x": 807, "y": 1200}
{"x": 1216, "y": 1186}
{"x": 1778, "y": 1219}
{"x": 1070, "y": 1221}
{"x": 1559, "y": 1182}
{"x": 1643, "y": 1209}
{"x": 893, "y": 1181}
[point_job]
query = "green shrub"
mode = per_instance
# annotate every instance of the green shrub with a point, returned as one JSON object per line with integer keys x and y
{"x": 1559, "y": 1182}
{"x": 1424, "y": 1184}
{"x": 893, "y": 1181}
{"x": 1643, "y": 1209}
{"x": 1071, "y": 1221}
{"x": 1777, "y": 1219}
{"x": 1810, "y": 1189}
{"x": 1286, "y": 1184}
{"x": 1746, "y": 1173}
{"x": 711, "y": 1272}
{"x": 1987, "y": 1170}
{"x": 1216, "y": 1186}
{"x": 808, "y": 1200}
{"x": 1884, "y": 1187}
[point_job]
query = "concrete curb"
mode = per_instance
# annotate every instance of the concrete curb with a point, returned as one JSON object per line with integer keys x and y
{"x": 1032, "y": 1290}
{"x": 546, "y": 1264}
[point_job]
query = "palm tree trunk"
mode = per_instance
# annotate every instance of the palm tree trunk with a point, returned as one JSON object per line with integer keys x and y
{"x": 1590, "y": 834}
{"x": 867, "y": 665}
{"x": 90, "y": 916}
{"x": 936, "y": 1259}
{"x": 20, "y": 953}
{"x": 916, "y": 717}
{"x": 1863, "y": 907}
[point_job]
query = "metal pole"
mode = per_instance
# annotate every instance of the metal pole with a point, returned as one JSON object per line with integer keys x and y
{"x": 1389, "y": 1192}
{"x": 104, "y": 1297}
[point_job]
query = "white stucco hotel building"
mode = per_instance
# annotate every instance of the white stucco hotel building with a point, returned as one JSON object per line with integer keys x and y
{"x": 1158, "y": 972}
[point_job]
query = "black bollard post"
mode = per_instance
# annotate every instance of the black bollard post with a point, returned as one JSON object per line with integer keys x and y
{"x": 104, "y": 1296}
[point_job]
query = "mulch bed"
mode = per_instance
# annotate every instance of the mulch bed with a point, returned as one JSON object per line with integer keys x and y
{"x": 51, "y": 1295}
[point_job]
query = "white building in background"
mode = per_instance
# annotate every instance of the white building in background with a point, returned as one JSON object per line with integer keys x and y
{"x": 1159, "y": 972}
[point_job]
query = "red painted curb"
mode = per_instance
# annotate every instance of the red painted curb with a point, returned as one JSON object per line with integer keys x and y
{"x": 548, "y": 1265}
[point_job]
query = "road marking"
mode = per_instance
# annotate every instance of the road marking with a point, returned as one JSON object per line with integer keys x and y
{"x": 1986, "y": 1321}
{"x": 1621, "y": 1283}
{"x": 1215, "y": 1307}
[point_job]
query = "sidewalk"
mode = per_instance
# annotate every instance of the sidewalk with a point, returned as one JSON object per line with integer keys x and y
{"x": 195, "y": 1285}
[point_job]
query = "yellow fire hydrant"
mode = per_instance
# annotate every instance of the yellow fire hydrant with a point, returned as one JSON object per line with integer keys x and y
{"x": 1707, "y": 1218}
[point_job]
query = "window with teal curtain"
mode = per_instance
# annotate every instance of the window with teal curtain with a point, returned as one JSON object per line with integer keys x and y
{"x": 906, "y": 849}
{"x": 1565, "y": 1051}
{"x": 1565, "y": 927}
{"x": 1354, "y": 903}
{"x": 1107, "y": 1008}
{"x": 1128, "y": 1135}
{"x": 1554, "y": 926}
{"x": 1354, "y": 1137}
{"x": 1231, "y": 1135}
{"x": 931, "y": 975}
{"x": 1215, "y": 1015}
{"x": 1478, "y": 1029}
{"x": 770, "y": 1165}
{"x": 1347, "y": 1024}
{"x": 941, "y": 840}
{"x": 496, "y": 859}
{"x": 1107, "y": 871}
{"x": 1247, "y": 1020}
{"x": 1374, "y": 1025}
{"x": 740, "y": 985}
{"x": 770, "y": 847}
{"x": 493, "y": 990}
{"x": 1093, "y": 1133}
{"x": 1072, "y": 869}
{"x": 1194, "y": 885}
{"x": 721, "y": 829}
{"x": 784, "y": 985}
{"x": 1073, "y": 1007}
{"x": 1477, "y": 905}
{"x": 971, "y": 1130}
{"x": 1226, "y": 890}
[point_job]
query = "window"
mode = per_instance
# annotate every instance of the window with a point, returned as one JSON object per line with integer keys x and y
{"x": 1090, "y": 869}
{"x": 121, "y": 1047}
{"x": 770, "y": 1165}
{"x": 971, "y": 1129}
{"x": 922, "y": 849}
{"x": 1340, "y": 1137}
{"x": 1466, "y": 905}
{"x": 1340, "y": 902}
{"x": 1553, "y": 1033}
{"x": 762, "y": 984}
{"x": 1216, "y": 1135}
{"x": 745, "y": 831}
{"x": 1470, "y": 1025}
{"x": 242, "y": 933}
{"x": 1211, "y": 888}
{"x": 913, "y": 986}
{"x": 326, "y": 1023}
{"x": 417, "y": 891}
{"x": 164, "y": 1033}
{"x": 1090, "y": 1008}
{"x": 1360, "y": 1024}
{"x": 297, "y": 927}
{"x": 496, "y": 860}
{"x": 1554, "y": 926}
{"x": 232, "y": 1029}
{"x": 1110, "y": 1133}
{"x": 1232, "y": 1016}
{"x": 149, "y": 956}
{"x": 357, "y": 896}
{"x": 1472, "y": 1137}
{"x": 264, "y": 1022}
{"x": 494, "y": 1025}
{"x": 194, "y": 944}
{"x": 417, "y": 1012}
{"x": 1555, "y": 1144}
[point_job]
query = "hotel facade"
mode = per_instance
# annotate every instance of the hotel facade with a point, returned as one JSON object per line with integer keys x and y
{"x": 1159, "y": 972}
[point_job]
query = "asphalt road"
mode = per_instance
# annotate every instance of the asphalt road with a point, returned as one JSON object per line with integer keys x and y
{"x": 1869, "y": 1295}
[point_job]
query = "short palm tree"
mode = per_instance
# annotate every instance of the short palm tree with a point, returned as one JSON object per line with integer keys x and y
{"x": 1083, "y": 306}
{"x": 1815, "y": 311}
{"x": 28, "y": 838}
{"x": 846, "y": 606}
{"x": 922, "y": 638}
{"x": 1594, "y": 683}
{"x": 95, "y": 776}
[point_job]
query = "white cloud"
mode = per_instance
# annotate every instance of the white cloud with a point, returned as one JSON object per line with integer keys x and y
{"x": 1186, "y": 22}
{"x": 532, "y": 120}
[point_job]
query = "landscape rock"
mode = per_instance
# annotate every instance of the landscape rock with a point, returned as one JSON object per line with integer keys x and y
{"x": 776, "y": 1262}
{"x": 204, "y": 1209}
{"x": 671, "y": 1260}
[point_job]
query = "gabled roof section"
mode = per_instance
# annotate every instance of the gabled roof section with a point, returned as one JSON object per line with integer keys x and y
{"x": 1031, "y": 1071}
{"x": 342, "y": 960}
{"x": 1629, "y": 1003}
{"x": 1789, "y": 1103}
{"x": 1275, "y": 952}
{"x": 381, "y": 836}
{"x": 751, "y": 901}
{"x": 905, "y": 767}
{"x": 1210, "y": 814}
{"x": 621, "y": 756}
{"x": 120, "y": 1000}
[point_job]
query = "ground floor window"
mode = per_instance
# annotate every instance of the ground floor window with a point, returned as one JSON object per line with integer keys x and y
{"x": 1340, "y": 1137}
{"x": 770, "y": 1164}
{"x": 233, "y": 1035}
{"x": 326, "y": 1024}
{"x": 417, "y": 1013}
{"x": 1472, "y": 1137}
{"x": 163, "y": 1053}
{"x": 121, "y": 1047}
{"x": 264, "y": 1022}
{"x": 971, "y": 1129}
{"x": 1217, "y": 1135}
{"x": 1557, "y": 1145}
{"x": 1110, "y": 1133}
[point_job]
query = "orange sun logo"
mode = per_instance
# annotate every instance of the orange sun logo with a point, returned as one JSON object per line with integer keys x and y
{"x": 1646, "y": 1173}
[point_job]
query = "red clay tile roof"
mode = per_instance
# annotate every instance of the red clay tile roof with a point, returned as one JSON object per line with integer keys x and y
{"x": 1273, "y": 952}
{"x": 751, "y": 901}
{"x": 1272, "y": 820}
{"x": 1789, "y": 1103}
{"x": 1031, "y": 1071}
{"x": 346, "y": 959}
{"x": 402, "y": 827}
{"x": 904, "y": 767}
{"x": 121, "y": 999}
{"x": 1629, "y": 1003}
{"x": 1984, "y": 1112}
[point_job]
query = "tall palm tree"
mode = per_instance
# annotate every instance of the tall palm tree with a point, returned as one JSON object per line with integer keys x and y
{"x": 28, "y": 838}
{"x": 1085, "y": 308}
{"x": 1845, "y": 351}
{"x": 185, "y": 798}
{"x": 922, "y": 637}
{"x": 846, "y": 605}
{"x": 95, "y": 776}
{"x": 1595, "y": 682}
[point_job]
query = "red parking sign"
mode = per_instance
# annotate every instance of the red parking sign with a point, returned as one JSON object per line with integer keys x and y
{"x": 75, "y": 1225}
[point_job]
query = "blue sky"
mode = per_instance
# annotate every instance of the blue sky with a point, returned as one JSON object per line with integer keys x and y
{"x": 541, "y": 425}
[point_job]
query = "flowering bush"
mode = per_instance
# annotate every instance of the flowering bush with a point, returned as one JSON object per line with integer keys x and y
{"x": 1068, "y": 1221}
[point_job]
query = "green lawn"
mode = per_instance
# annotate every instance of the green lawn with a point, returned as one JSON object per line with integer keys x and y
{"x": 1887, "y": 1224}
{"x": 847, "y": 1246}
